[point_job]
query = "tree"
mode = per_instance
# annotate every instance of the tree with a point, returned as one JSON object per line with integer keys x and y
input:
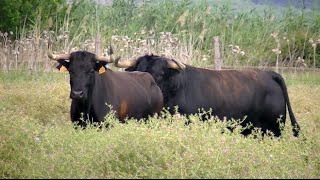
{"x": 22, "y": 13}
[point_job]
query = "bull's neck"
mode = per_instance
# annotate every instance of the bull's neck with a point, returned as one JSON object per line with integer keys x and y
{"x": 171, "y": 87}
{"x": 85, "y": 106}
{"x": 102, "y": 91}
{"x": 101, "y": 82}
{"x": 87, "y": 103}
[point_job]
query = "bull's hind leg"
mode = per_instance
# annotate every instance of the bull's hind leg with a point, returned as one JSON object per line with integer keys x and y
{"x": 274, "y": 114}
{"x": 273, "y": 119}
{"x": 264, "y": 122}
{"x": 274, "y": 124}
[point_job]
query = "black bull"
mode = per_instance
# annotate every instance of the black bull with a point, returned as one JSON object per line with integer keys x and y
{"x": 93, "y": 87}
{"x": 260, "y": 96}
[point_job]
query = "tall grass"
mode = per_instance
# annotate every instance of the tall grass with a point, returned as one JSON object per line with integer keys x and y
{"x": 188, "y": 27}
{"x": 37, "y": 139}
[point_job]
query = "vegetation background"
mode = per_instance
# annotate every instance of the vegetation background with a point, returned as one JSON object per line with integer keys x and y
{"x": 251, "y": 34}
{"x": 37, "y": 139}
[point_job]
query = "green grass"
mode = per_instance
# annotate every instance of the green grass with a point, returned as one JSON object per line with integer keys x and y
{"x": 309, "y": 78}
{"x": 37, "y": 139}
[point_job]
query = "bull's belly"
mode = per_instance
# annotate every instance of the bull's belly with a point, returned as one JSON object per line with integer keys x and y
{"x": 243, "y": 112}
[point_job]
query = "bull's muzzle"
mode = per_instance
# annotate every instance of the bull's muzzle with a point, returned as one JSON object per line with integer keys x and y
{"x": 77, "y": 95}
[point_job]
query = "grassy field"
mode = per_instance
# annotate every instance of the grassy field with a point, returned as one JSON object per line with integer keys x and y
{"x": 37, "y": 139}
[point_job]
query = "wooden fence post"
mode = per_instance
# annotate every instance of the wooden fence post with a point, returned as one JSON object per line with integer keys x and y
{"x": 217, "y": 55}
{"x": 98, "y": 44}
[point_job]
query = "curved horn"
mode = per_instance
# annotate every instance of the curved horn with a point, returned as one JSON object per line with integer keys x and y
{"x": 175, "y": 64}
{"x": 125, "y": 63}
{"x": 105, "y": 58}
{"x": 57, "y": 56}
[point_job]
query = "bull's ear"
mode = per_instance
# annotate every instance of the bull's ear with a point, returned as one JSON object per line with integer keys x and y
{"x": 62, "y": 68}
{"x": 63, "y": 65}
{"x": 100, "y": 67}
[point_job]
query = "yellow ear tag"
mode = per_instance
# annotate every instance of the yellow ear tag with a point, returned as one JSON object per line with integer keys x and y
{"x": 102, "y": 70}
{"x": 63, "y": 69}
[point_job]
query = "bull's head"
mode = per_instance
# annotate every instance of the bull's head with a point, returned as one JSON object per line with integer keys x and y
{"x": 161, "y": 68}
{"x": 82, "y": 67}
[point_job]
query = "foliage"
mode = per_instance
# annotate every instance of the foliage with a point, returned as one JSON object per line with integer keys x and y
{"x": 190, "y": 24}
{"x": 19, "y": 14}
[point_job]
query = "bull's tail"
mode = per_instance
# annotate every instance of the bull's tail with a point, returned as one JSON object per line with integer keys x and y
{"x": 295, "y": 126}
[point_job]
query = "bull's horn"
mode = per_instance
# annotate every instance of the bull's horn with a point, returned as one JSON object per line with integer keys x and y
{"x": 125, "y": 63}
{"x": 175, "y": 64}
{"x": 55, "y": 56}
{"x": 58, "y": 56}
{"x": 111, "y": 59}
{"x": 106, "y": 59}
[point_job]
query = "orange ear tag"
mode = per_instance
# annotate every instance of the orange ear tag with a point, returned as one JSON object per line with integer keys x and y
{"x": 102, "y": 70}
{"x": 63, "y": 69}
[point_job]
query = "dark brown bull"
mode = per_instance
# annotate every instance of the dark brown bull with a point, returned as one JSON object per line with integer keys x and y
{"x": 260, "y": 96}
{"x": 93, "y": 87}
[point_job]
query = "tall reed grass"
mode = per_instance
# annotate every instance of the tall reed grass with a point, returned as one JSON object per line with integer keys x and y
{"x": 180, "y": 29}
